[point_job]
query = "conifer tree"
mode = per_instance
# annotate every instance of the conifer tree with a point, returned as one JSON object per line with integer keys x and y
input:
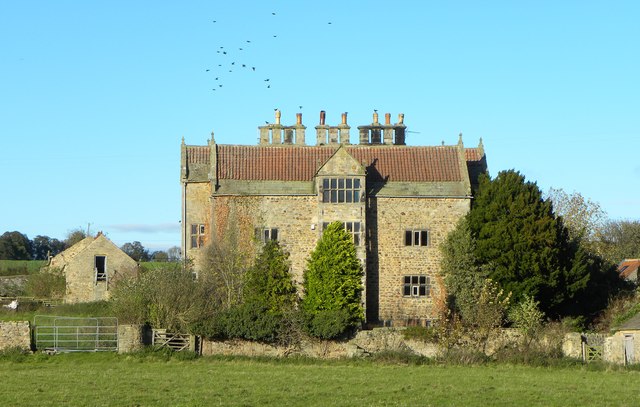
{"x": 333, "y": 284}
{"x": 268, "y": 282}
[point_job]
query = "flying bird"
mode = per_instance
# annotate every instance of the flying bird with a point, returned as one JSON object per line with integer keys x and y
{"x": 216, "y": 78}
{"x": 248, "y": 41}
{"x": 244, "y": 66}
{"x": 207, "y": 70}
{"x": 273, "y": 14}
{"x": 253, "y": 67}
{"x": 266, "y": 80}
{"x": 224, "y": 52}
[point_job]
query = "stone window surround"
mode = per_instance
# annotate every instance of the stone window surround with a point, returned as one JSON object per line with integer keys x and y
{"x": 197, "y": 235}
{"x": 416, "y": 286}
{"x": 266, "y": 233}
{"x": 416, "y": 237}
{"x": 341, "y": 190}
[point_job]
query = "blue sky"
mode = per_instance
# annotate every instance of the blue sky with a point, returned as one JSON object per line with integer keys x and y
{"x": 95, "y": 97}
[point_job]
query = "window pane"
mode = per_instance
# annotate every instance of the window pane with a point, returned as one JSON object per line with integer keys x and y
{"x": 349, "y": 183}
{"x": 407, "y": 279}
{"x": 356, "y": 226}
{"x": 423, "y": 279}
{"x": 407, "y": 238}
{"x": 423, "y": 291}
{"x": 325, "y": 183}
{"x": 194, "y": 229}
{"x": 424, "y": 238}
{"x": 202, "y": 229}
{"x": 274, "y": 234}
{"x": 416, "y": 238}
{"x": 356, "y": 183}
{"x": 340, "y": 195}
{"x": 194, "y": 242}
{"x": 326, "y": 196}
{"x": 415, "y": 290}
{"x": 356, "y": 240}
{"x": 407, "y": 290}
{"x": 414, "y": 280}
{"x": 356, "y": 196}
{"x": 334, "y": 196}
{"x": 334, "y": 183}
{"x": 341, "y": 183}
{"x": 265, "y": 234}
{"x": 349, "y": 196}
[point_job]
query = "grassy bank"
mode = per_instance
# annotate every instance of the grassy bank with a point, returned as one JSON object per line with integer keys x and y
{"x": 109, "y": 379}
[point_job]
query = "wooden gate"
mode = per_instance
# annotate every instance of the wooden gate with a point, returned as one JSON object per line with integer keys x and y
{"x": 175, "y": 341}
{"x": 592, "y": 347}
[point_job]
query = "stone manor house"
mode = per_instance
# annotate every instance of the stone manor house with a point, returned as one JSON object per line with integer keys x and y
{"x": 398, "y": 202}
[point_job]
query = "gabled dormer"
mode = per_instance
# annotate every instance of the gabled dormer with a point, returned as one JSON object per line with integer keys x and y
{"x": 341, "y": 179}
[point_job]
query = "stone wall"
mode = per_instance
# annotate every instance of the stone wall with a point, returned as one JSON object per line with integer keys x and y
{"x": 365, "y": 342}
{"x": 131, "y": 338}
{"x": 390, "y": 260}
{"x": 15, "y": 334}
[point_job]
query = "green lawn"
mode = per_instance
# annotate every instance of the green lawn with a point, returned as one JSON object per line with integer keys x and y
{"x": 111, "y": 380}
{"x": 20, "y": 267}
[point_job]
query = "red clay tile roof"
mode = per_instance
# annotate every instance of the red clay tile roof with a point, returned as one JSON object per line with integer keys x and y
{"x": 197, "y": 154}
{"x": 300, "y": 163}
{"x": 472, "y": 154}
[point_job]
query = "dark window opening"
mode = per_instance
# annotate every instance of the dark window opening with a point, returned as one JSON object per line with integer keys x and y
{"x": 100, "y": 268}
{"x": 416, "y": 286}
{"x": 266, "y": 234}
{"x": 416, "y": 238}
{"x": 340, "y": 190}
{"x": 197, "y": 235}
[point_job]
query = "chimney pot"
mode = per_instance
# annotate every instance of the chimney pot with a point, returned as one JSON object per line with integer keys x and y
{"x": 400, "y": 118}
{"x": 344, "y": 118}
{"x": 278, "y": 116}
{"x": 375, "y": 117}
{"x": 387, "y": 118}
{"x": 322, "y": 117}
{"x": 298, "y": 118}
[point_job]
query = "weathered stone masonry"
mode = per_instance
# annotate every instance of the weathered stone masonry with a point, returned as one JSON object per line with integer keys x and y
{"x": 399, "y": 202}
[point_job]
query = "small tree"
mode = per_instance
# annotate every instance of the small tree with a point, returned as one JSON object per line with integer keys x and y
{"x": 490, "y": 304}
{"x": 333, "y": 284}
{"x": 268, "y": 282}
{"x": 527, "y": 318}
{"x": 73, "y": 237}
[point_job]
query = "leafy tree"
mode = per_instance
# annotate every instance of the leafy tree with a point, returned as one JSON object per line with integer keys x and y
{"x": 333, "y": 284}
{"x": 527, "y": 318}
{"x": 44, "y": 246}
{"x": 15, "y": 246}
{"x": 584, "y": 218}
{"x": 159, "y": 255}
{"x": 490, "y": 304}
{"x": 225, "y": 265}
{"x": 463, "y": 275}
{"x": 136, "y": 251}
{"x": 268, "y": 282}
{"x": 174, "y": 253}
{"x": 73, "y": 237}
{"x": 621, "y": 240}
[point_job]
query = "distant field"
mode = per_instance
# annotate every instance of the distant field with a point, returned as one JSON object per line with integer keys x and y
{"x": 19, "y": 267}
{"x": 112, "y": 380}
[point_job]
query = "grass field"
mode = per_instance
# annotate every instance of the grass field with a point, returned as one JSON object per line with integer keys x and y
{"x": 20, "y": 267}
{"x": 119, "y": 380}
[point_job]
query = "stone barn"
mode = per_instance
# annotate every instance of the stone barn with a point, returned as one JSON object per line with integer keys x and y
{"x": 624, "y": 346}
{"x": 91, "y": 267}
{"x": 398, "y": 202}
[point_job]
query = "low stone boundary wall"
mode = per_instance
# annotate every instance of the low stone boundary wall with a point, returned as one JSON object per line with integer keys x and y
{"x": 15, "y": 334}
{"x": 365, "y": 342}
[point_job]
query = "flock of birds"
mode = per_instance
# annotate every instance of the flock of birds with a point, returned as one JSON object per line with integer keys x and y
{"x": 233, "y": 59}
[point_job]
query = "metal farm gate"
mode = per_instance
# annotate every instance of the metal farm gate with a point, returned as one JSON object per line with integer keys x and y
{"x": 73, "y": 334}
